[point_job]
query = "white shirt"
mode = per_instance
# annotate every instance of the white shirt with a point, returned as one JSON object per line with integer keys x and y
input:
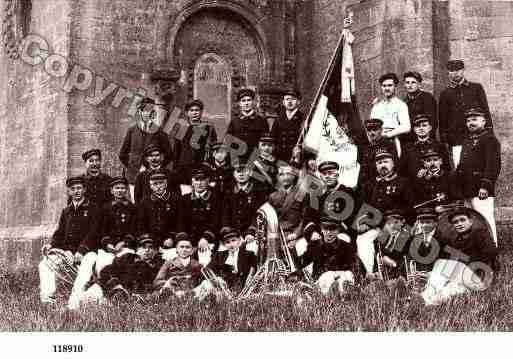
{"x": 291, "y": 113}
{"x": 232, "y": 259}
{"x": 394, "y": 114}
{"x": 185, "y": 261}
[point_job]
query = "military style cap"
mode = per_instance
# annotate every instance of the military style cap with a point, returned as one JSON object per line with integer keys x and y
{"x": 474, "y": 111}
{"x": 329, "y": 223}
{"x": 240, "y": 165}
{"x": 158, "y": 175}
{"x": 245, "y": 92}
{"x": 426, "y": 213}
{"x": 459, "y": 211}
{"x": 219, "y": 145}
{"x": 192, "y": 103}
{"x": 430, "y": 152}
{"x": 389, "y": 76}
{"x": 292, "y": 91}
{"x": 421, "y": 117}
{"x": 74, "y": 180}
{"x": 152, "y": 147}
{"x": 201, "y": 171}
{"x": 181, "y": 236}
{"x": 287, "y": 168}
{"x": 92, "y": 152}
{"x": 394, "y": 213}
{"x": 373, "y": 123}
{"x": 144, "y": 102}
{"x": 228, "y": 233}
{"x": 417, "y": 76}
{"x": 328, "y": 165}
{"x": 267, "y": 138}
{"x": 455, "y": 65}
{"x": 382, "y": 152}
{"x": 145, "y": 238}
{"x": 130, "y": 241}
{"x": 119, "y": 180}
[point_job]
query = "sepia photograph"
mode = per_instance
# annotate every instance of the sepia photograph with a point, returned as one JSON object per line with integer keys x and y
{"x": 271, "y": 166}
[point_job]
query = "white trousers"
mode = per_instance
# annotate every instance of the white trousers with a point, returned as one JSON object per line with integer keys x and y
{"x": 327, "y": 279}
{"x": 365, "y": 248}
{"x": 456, "y": 155}
{"x": 486, "y": 208}
{"x": 90, "y": 262}
{"x": 48, "y": 278}
{"x": 450, "y": 278}
{"x": 205, "y": 288}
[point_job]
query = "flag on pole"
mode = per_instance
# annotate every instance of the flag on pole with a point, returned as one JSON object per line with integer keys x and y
{"x": 334, "y": 123}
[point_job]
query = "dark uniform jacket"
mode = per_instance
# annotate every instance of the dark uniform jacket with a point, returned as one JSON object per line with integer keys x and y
{"x": 454, "y": 101}
{"x": 480, "y": 164}
{"x": 336, "y": 256}
{"x": 265, "y": 171}
{"x": 201, "y": 216}
{"x": 396, "y": 248}
{"x": 292, "y": 208}
{"x": 286, "y": 133}
{"x": 366, "y": 153}
{"x": 248, "y": 130}
{"x": 240, "y": 207}
{"x": 78, "y": 228}
{"x": 158, "y": 216}
{"x": 411, "y": 159}
{"x": 421, "y": 102}
{"x": 194, "y": 148}
{"x": 131, "y": 153}
{"x": 222, "y": 176}
{"x": 246, "y": 261}
{"x": 98, "y": 189}
{"x": 119, "y": 219}
{"x": 142, "y": 188}
{"x": 430, "y": 186}
{"x": 187, "y": 277}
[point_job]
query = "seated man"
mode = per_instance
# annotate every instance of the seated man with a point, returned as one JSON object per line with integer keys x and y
{"x": 230, "y": 268}
{"x": 264, "y": 166}
{"x": 333, "y": 255}
{"x": 180, "y": 274}
{"x": 423, "y": 247}
{"x": 76, "y": 235}
{"x": 466, "y": 262}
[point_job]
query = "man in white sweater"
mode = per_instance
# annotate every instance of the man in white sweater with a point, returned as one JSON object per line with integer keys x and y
{"x": 391, "y": 110}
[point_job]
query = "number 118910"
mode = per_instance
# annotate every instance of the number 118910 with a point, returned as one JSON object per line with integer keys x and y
{"x": 68, "y": 348}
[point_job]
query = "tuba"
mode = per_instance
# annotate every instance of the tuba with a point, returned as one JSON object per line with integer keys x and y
{"x": 62, "y": 265}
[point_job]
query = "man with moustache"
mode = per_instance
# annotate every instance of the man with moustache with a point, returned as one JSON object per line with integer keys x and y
{"x": 97, "y": 183}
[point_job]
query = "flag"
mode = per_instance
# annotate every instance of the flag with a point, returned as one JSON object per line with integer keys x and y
{"x": 334, "y": 127}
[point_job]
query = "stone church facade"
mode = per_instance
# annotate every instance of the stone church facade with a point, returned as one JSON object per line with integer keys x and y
{"x": 80, "y": 92}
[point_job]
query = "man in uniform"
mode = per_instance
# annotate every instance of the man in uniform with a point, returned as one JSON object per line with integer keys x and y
{"x": 97, "y": 183}
{"x": 419, "y": 101}
{"x": 287, "y": 127}
{"x": 458, "y": 97}
{"x": 265, "y": 168}
{"x": 77, "y": 233}
{"x": 222, "y": 169}
{"x": 391, "y": 110}
{"x": 247, "y": 128}
{"x": 480, "y": 166}
{"x": 138, "y": 137}
{"x": 411, "y": 162}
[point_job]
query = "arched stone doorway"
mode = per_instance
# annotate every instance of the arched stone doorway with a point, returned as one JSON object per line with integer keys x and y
{"x": 220, "y": 53}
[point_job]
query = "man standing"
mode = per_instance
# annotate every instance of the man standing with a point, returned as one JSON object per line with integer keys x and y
{"x": 264, "y": 166}
{"x": 419, "y": 101}
{"x": 288, "y": 125}
{"x": 391, "y": 110}
{"x": 458, "y": 97}
{"x": 247, "y": 128}
{"x": 97, "y": 183}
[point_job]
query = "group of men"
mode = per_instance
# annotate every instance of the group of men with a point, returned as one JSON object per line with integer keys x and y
{"x": 185, "y": 208}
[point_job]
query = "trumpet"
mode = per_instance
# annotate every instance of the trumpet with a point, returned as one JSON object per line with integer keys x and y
{"x": 216, "y": 282}
{"x": 382, "y": 269}
{"x": 59, "y": 262}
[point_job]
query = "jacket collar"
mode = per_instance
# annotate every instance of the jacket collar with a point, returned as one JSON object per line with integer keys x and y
{"x": 247, "y": 115}
{"x": 246, "y": 189}
{"x": 479, "y": 135}
{"x": 83, "y": 203}
{"x": 387, "y": 178}
{"x": 124, "y": 202}
{"x": 164, "y": 197}
{"x": 427, "y": 141}
{"x": 204, "y": 196}
{"x": 463, "y": 82}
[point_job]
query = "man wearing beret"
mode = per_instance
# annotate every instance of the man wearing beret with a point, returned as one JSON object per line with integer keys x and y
{"x": 411, "y": 162}
{"x": 77, "y": 234}
{"x": 419, "y": 102}
{"x": 366, "y": 152}
{"x": 458, "y": 97}
{"x": 247, "y": 128}
{"x": 480, "y": 166}
{"x": 391, "y": 110}
{"x": 199, "y": 137}
{"x": 97, "y": 183}
{"x": 287, "y": 127}
{"x": 158, "y": 213}
{"x": 201, "y": 210}
{"x": 467, "y": 260}
{"x": 153, "y": 160}
{"x": 265, "y": 168}
{"x": 138, "y": 137}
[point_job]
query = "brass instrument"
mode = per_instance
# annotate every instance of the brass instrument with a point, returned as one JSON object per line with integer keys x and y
{"x": 64, "y": 268}
{"x": 415, "y": 279}
{"x": 382, "y": 268}
{"x": 216, "y": 282}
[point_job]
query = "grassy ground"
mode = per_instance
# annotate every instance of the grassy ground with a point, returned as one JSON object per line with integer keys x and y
{"x": 372, "y": 309}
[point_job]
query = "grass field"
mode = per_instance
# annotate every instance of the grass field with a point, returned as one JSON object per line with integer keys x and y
{"x": 371, "y": 309}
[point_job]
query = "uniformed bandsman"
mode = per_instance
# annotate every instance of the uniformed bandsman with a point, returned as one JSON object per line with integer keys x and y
{"x": 265, "y": 168}
{"x": 222, "y": 169}
{"x": 97, "y": 183}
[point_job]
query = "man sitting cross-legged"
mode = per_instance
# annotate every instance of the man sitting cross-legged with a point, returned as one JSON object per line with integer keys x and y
{"x": 180, "y": 274}
{"x": 466, "y": 262}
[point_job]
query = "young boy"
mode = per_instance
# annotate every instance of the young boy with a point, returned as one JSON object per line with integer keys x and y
{"x": 180, "y": 274}
{"x": 480, "y": 166}
{"x": 231, "y": 266}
